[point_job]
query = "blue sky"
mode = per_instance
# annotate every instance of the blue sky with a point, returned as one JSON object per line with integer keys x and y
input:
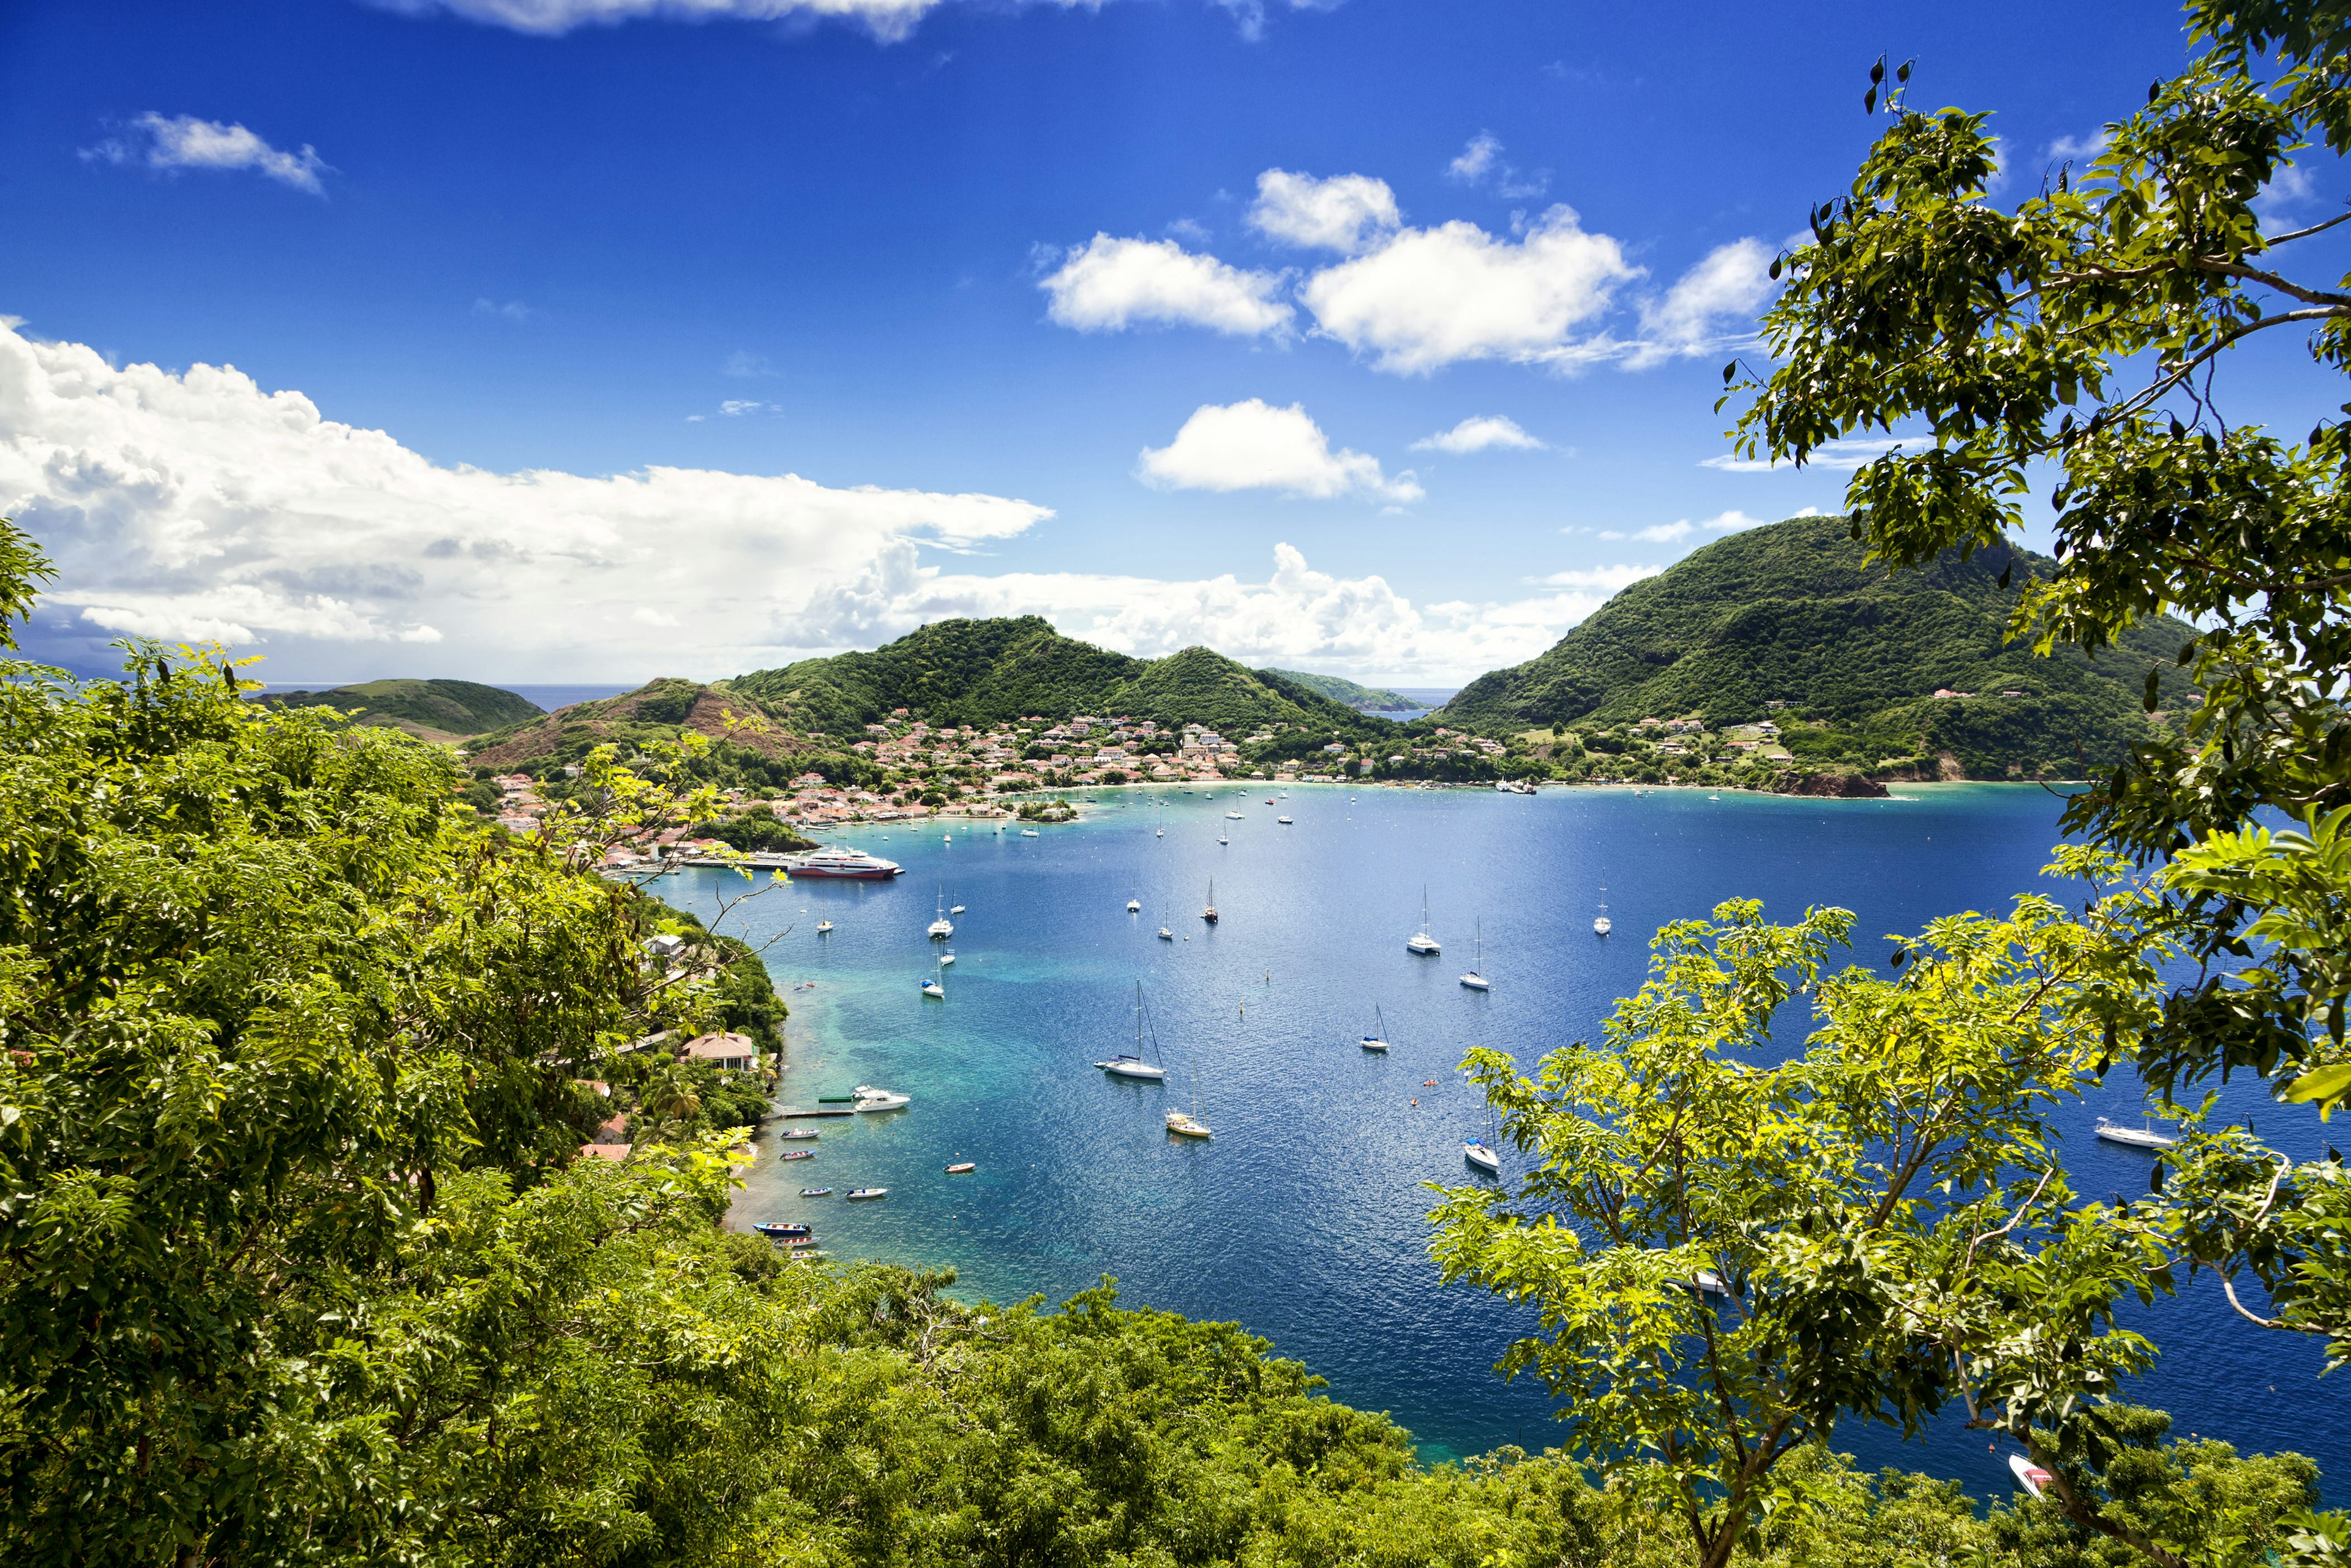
{"x": 597, "y": 339}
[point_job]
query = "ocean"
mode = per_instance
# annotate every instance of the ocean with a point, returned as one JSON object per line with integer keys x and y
{"x": 1303, "y": 1219}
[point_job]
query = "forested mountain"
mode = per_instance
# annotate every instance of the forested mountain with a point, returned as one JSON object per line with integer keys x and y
{"x": 1789, "y": 622}
{"x": 437, "y": 708}
{"x": 1339, "y": 689}
{"x": 986, "y": 671}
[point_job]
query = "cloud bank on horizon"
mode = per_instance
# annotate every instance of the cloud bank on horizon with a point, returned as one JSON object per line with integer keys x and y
{"x": 891, "y": 21}
{"x": 197, "y": 507}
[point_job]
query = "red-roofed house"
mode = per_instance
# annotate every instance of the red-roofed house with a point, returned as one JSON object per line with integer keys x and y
{"x": 735, "y": 1052}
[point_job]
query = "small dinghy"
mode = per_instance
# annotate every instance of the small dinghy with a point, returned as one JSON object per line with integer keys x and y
{"x": 796, "y": 1155}
{"x": 859, "y": 1193}
{"x": 1028, "y": 833}
{"x": 966, "y": 1168}
{"x": 816, "y": 1192}
{"x": 800, "y": 1132}
{"x": 778, "y": 1228}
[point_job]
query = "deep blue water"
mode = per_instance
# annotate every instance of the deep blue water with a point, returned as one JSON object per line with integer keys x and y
{"x": 1303, "y": 1219}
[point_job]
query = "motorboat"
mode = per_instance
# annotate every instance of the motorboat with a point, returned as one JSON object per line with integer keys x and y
{"x": 1028, "y": 833}
{"x": 1233, "y": 816}
{"x": 1379, "y": 1039}
{"x": 1185, "y": 1125}
{"x": 872, "y": 1099}
{"x": 2133, "y": 1137}
{"x": 778, "y": 1228}
{"x": 838, "y": 861}
{"x": 816, "y": 1192}
{"x": 800, "y": 1133}
{"x": 1479, "y": 1154}
{"x": 1476, "y": 978}
{"x": 796, "y": 1155}
{"x": 1707, "y": 1282}
{"x": 824, "y": 927}
{"x": 964, "y": 1169}
{"x": 2029, "y": 1476}
{"x": 1283, "y": 820}
{"x": 858, "y": 1193}
{"x": 1601, "y": 928}
{"x": 1420, "y": 941}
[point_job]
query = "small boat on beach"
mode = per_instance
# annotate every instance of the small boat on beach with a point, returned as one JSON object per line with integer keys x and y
{"x": 858, "y": 1194}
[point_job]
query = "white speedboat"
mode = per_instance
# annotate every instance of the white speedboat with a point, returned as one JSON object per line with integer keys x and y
{"x": 1379, "y": 1039}
{"x": 1420, "y": 941}
{"x": 1028, "y": 833}
{"x": 2133, "y": 1137}
{"x": 1478, "y": 1154}
{"x": 2029, "y": 1476}
{"x": 872, "y": 1099}
{"x": 1600, "y": 927}
{"x": 1476, "y": 978}
{"x": 858, "y": 1193}
{"x": 1185, "y": 1125}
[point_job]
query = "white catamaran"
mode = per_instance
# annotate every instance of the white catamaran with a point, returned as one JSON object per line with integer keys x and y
{"x": 1600, "y": 926}
{"x": 1420, "y": 941}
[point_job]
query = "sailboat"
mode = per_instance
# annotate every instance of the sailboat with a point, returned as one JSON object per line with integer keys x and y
{"x": 1379, "y": 1039}
{"x": 1165, "y": 932}
{"x": 1126, "y": 1064}
{"x": 1209, "y": 914}
{"x": 1421, "y": 942}
{"x": 2133, "y": 1137}
{"x": 942, "y": 928}
{"x": 1600, "y": 926}
{"x": 1221, "y": 838}
{"x": 1476, "y": 978}
{"x": 1188, "y": 1123}
{"x": 1134, "y": 904}
{"x": 824, "y": 927}
{"x": 1480, "y": 1152}
{"x": 936, "y": 988}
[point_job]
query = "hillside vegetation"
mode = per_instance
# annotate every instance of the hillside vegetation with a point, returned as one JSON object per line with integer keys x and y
{"x": 1789, "y": 621}
{"x": 989, "y": 672}
{"x": 1339, "y": 689}
{"x": 435, "y": 709}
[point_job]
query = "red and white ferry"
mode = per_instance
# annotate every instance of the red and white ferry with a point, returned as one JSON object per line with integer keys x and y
{"x": 833, "y": 860}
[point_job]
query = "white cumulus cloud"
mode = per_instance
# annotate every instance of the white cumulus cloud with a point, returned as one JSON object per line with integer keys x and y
{"x": 1709, "y": 306}
{"x": 182, "y": 142}
{"x": 1252, "y": 445}
{"x": 1480, "y": 432}
{"x": 197, "y": 506}
{"x": 1107, "y": 285}
{"x": 1436, "y": 297}
{"x": 889, "y": 20}
{"x": 1345, "y": 213}
{"x": 1296, "y": 616}
{"x": 1610, "y": 577}
{"x": 1728, "y": 522}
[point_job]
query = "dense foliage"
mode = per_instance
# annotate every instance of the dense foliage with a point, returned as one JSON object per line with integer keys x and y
{"x": 982, "y": 673}
{"x": 1796, "y": 615}
{"x": 444, "y": 708}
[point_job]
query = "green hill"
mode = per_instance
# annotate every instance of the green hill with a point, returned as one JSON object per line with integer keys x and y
{"x": 438, "y": 709}
{"x": 1789, "y": 622}
{"x": 987, "y": 672}
{"x": 1339, "y": 689}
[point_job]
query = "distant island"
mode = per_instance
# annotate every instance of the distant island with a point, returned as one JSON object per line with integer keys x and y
{"x": 1776, "y": 659}
{"x": 440, "y": 710}
{"x": 1339, "y": 689}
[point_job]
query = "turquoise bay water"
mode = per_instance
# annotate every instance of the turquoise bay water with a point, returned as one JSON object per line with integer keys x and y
{"x": 1303, "y": 1219}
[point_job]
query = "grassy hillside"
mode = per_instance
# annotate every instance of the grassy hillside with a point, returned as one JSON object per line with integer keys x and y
{"x": 987, "y": 672}
{"x": 437, "y": 709}
{"x": 1791, "y": 615}
{"x": 1339, "y": 689}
